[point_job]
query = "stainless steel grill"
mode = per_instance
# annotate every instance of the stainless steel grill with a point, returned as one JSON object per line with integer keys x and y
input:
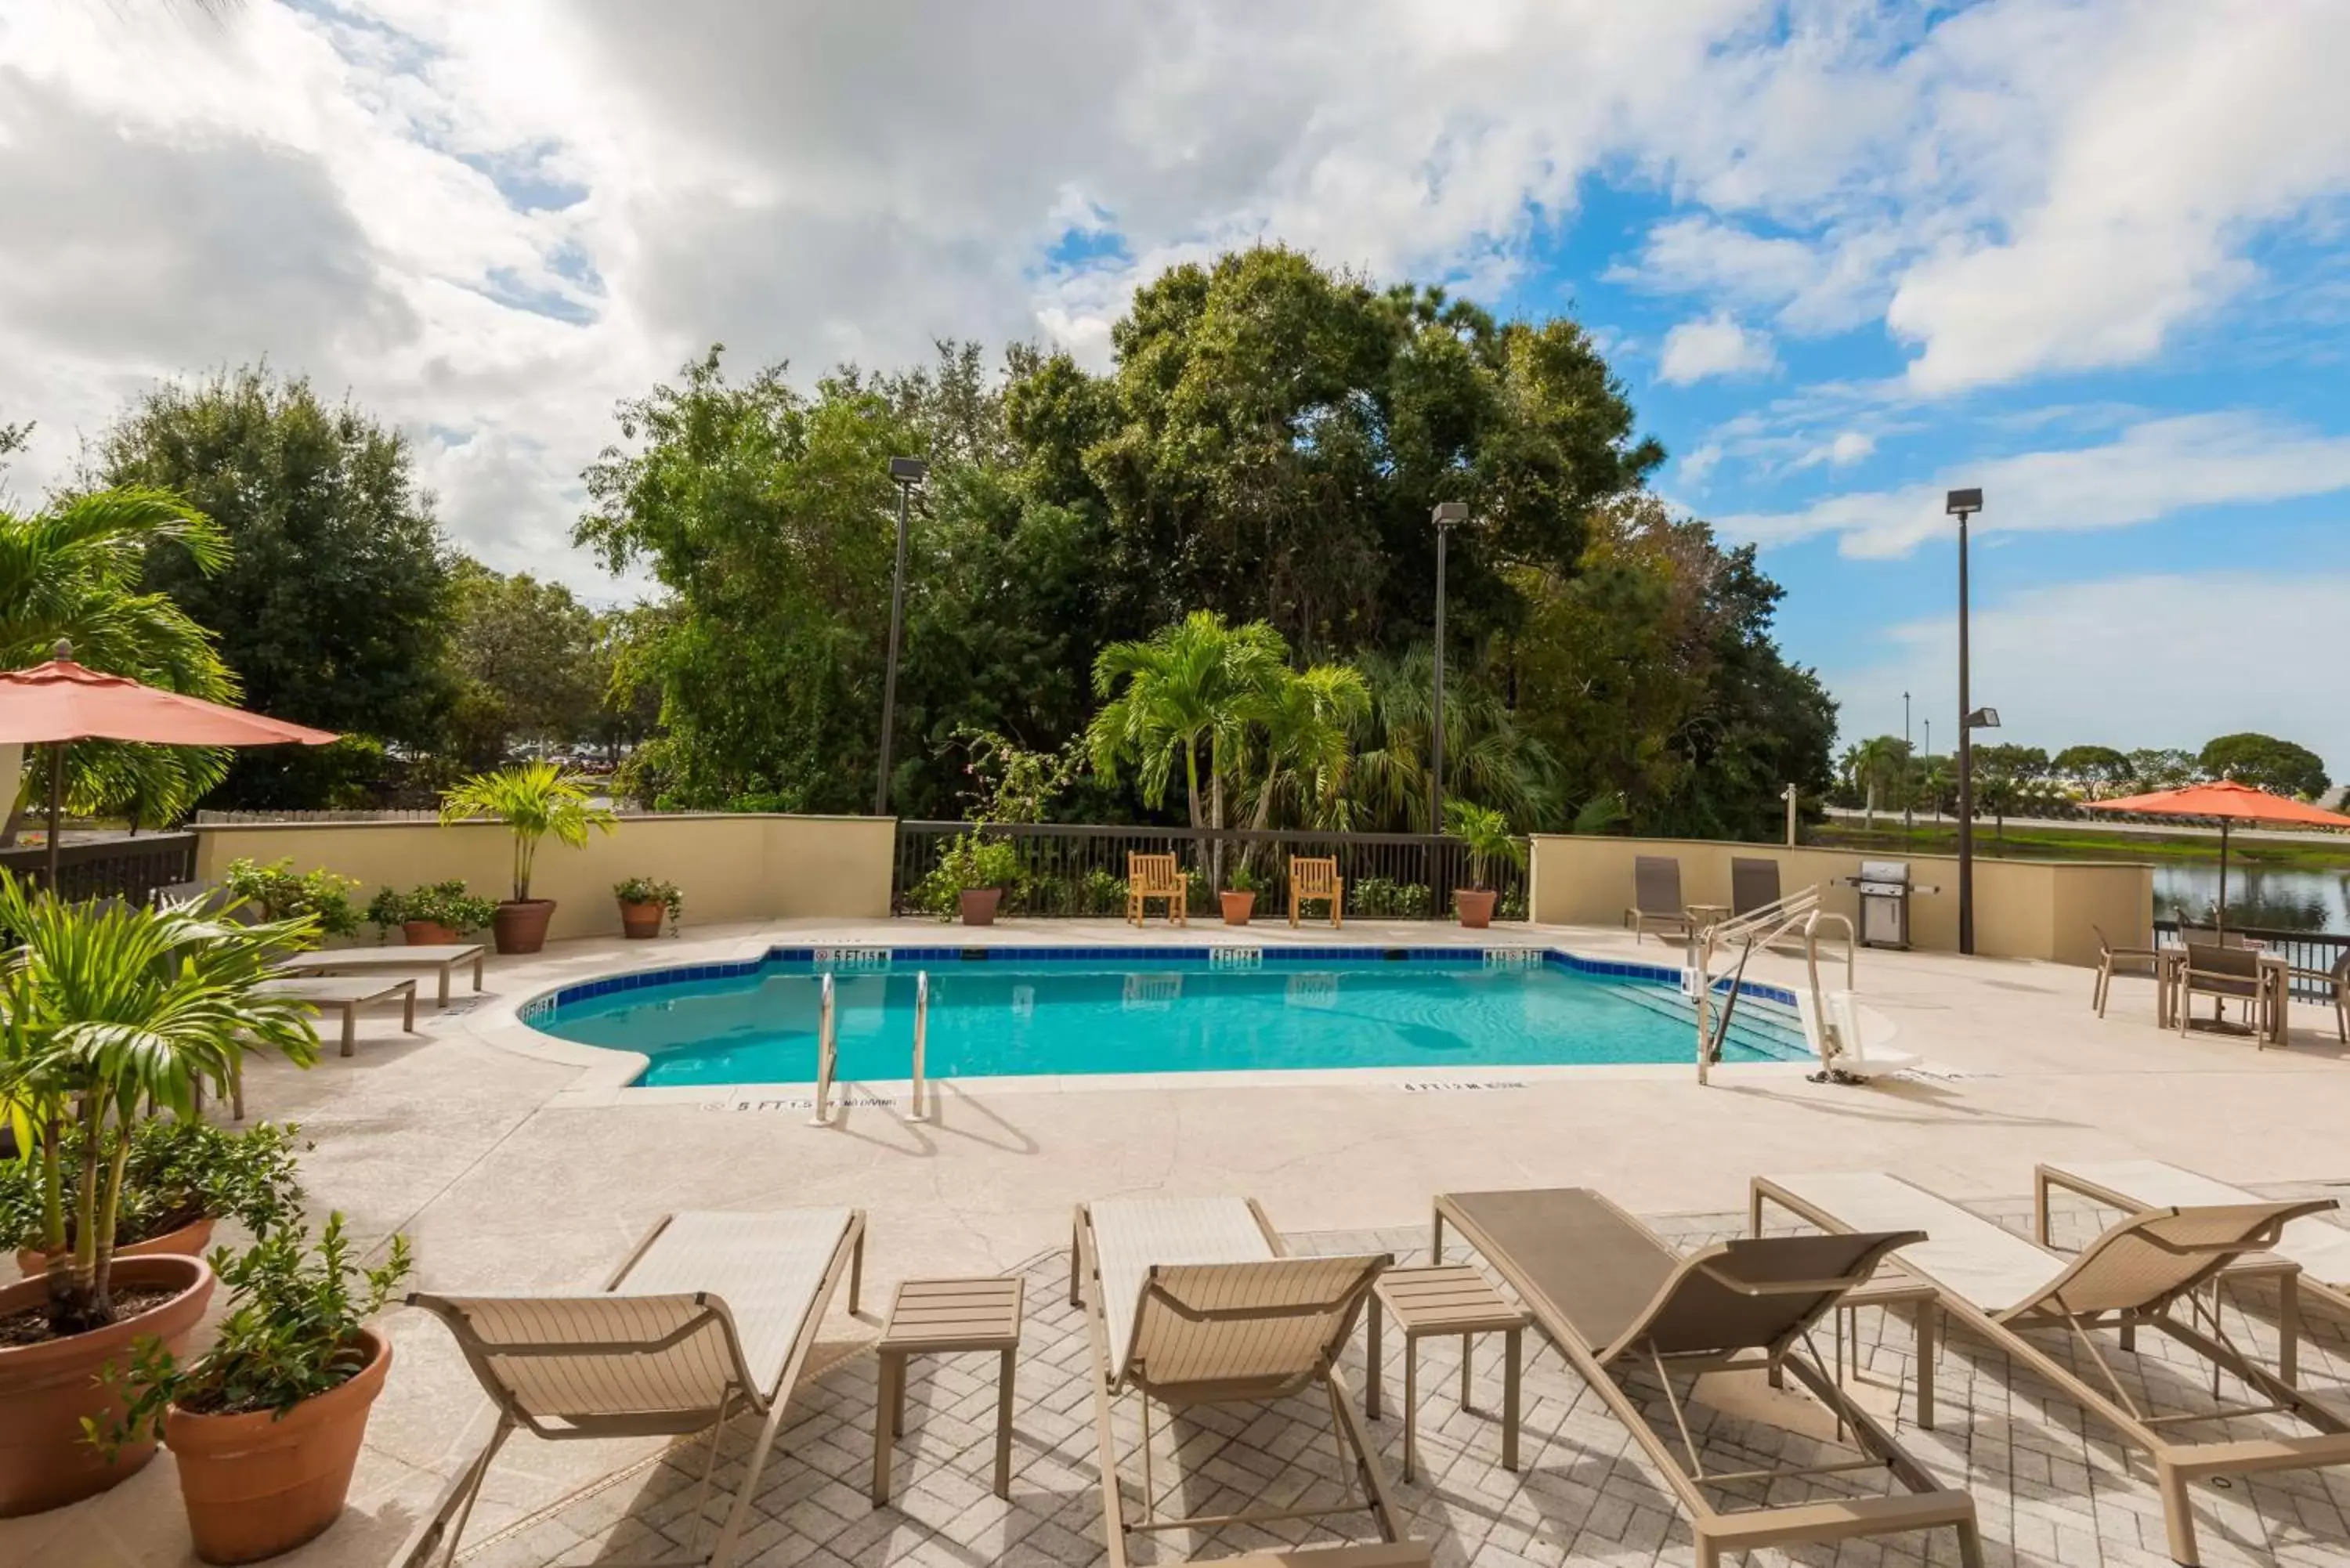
{"x": 1885, "y": 891}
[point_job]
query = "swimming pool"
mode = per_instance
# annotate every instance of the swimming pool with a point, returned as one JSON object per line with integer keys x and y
{"x": 1012, "y": 1011}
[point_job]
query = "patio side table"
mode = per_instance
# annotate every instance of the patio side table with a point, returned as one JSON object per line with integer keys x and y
{"x": 931, "y": 1317}
{"x": 1443, "y": 1299}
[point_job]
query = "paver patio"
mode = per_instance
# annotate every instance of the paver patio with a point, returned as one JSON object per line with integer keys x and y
{"x": 475, "y": 1139}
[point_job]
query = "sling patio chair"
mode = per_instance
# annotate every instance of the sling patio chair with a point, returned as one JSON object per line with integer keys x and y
{"x": 1999, "y": 1284}
{"x": 2109, "y": 957}
{"x": 2225, "y": 973}
{"x": 1149, "y": 876}
{"x": 1657, "y": 897}
{"x": 1312, "y": 881}
{"x": 1616, "y": 1299}
{"x": 710, "y": 1317}
{"x": 1754, "y": 884}
{"x": 2333, "y": 985}
{"x": 1195, "y": 1300}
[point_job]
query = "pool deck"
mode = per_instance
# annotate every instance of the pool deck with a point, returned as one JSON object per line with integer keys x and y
{"x": 513, "y": 1161}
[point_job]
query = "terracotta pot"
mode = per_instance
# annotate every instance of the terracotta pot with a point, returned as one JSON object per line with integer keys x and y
{"x": 1238, "y": 908}
{"x": 188, "y": 1242}
{"x": 47, "y": 1389}
{"x": 979, "y": 905}
{"x": 426, "y": 933}
{"x": 1475, "y": 907}
{"x": 641, "y": 918}
{"x": 520, "y": 924}
{"x": 259, "y": 1484}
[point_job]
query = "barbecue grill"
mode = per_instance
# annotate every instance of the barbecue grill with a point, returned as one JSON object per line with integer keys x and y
{"x": 1885, "y": 890}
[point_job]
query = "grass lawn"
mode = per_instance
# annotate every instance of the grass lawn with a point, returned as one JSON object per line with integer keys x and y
{"x": 2085, "y": 841}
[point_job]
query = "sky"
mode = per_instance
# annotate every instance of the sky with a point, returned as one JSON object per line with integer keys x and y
{"x": 2087, "y": 256}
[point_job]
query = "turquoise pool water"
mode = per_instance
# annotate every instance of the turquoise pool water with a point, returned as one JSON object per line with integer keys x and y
{"x": 1109, "y": 1010}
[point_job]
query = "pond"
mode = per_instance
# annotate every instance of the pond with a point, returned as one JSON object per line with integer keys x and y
{"x": 2276, "y": 899}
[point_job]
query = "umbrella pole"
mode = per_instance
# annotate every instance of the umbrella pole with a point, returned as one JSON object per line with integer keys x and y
{"x": 2223, "y": 873}
{"x": 57, "y": 806}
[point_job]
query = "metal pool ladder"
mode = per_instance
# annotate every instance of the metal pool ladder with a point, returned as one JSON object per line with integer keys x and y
{"x": 1828, "y": 1017}
{"x": 920, "y": 1104}
{"x": 827, "y": 1055}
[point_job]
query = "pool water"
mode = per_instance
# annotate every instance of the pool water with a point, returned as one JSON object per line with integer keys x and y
{"x": 1113, "y": 1013}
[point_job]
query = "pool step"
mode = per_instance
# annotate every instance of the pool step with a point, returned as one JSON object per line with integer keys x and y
{"x": 1770, "y": 1029}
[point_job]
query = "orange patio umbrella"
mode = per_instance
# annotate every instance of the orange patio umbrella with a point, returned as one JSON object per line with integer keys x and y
{"x": 2231, "y": 802}
{"x": 60, "y": 702}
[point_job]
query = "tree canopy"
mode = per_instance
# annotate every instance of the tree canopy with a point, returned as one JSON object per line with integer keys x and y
{"x": 2266, "y": 762}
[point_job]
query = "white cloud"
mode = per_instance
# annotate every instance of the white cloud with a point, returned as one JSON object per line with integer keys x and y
{"x": 2154, "y": 660}
{"x": 1716, "y": 345}
{"x": 1845, "y": 449}
{"x": 2151, "y": 469}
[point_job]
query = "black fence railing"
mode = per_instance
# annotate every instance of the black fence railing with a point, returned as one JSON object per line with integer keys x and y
{"x": 130, "y": 868}
{"x": 2313, "y": 951}
{"x": 1069, "y": 871}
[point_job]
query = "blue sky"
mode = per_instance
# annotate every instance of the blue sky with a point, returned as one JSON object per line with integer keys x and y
{"x": 2086, "y": 253}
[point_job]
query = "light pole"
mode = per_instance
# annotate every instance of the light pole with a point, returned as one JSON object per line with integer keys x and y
{"x": 1908, "y": 796}
{"x": 1929, "y": 757}
{"x": 906, "y": 473}
{"x": 1963, "y": 505}
{"x": 1448, "y": 515}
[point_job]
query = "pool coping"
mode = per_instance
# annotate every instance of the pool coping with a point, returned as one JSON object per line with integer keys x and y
{"x": 607, "y": 1073}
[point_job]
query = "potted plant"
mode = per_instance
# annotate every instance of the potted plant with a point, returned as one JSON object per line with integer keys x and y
{"x": 266, "y": 1424}
{"x": 1239, "y": 900}
{"x": 536, "y": 800}
{"x": 111, "y": 1015}
{"x": 281, "y": 893}
{"x": 643, "y": 902}
{"x": 971, "y": 877}
{"x": 1487, "y": 834}
{"x": 433, "y": 915}
{"x": 178, "y": 1179}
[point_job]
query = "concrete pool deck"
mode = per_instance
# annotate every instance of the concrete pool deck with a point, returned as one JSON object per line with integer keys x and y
{"x": 477, "y": 1138}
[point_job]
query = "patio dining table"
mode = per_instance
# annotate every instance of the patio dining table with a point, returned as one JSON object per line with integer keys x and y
{"x": 2170, "y": 977}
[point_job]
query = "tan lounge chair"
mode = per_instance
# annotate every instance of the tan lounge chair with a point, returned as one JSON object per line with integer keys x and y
{"x": 710, "y": 1317}
{"x": 1195, "y": 1300}
{"x": 1149, "y": 876}
{"x": 347, "y": 996}
{"x": 1999, "y": 1284}
{"x": 1316, "y": 880}
{"x": 440, "y": 958}
{"x": 1616, "y": 1299}
{"x": 1657, "y": 897}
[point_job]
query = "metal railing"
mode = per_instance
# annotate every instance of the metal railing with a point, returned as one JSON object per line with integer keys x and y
{"x": 1070, "y": 869}
{"x": 1798, "y": 914}
{"x": 129, "y": 868}
{"x": 918, "y": 1101}
{"x": 827, "y": 1055}
{"x": 2313, "y": 951}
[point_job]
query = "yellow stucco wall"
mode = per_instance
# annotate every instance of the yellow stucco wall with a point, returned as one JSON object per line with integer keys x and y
{"x": 729, "y": 867}
{"x": 2023, "y": 909}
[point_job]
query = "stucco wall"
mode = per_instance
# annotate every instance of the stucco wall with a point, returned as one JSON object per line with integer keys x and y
{"x": 729, "y": 867}
{"x": 2023, "y": 909}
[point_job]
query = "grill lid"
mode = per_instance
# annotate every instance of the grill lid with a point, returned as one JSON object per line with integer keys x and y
{"x": 1893, "y": 872}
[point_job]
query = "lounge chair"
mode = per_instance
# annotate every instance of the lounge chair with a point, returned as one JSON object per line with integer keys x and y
{"x": 1753, "y": 885}
{"x": 2108, "y": 956}
{"x": 1312, "y": 881}
{"x": 1657, "y": 897}
{"x": 2225, "y": 973}
{"x": 710, "y": 1317}
{"x": 1195, "y": 1300}
{"x": 1616, "y": 1300}
{"x": 2318, "y": 1247}
{"x": 347, "y": 996}
{"x": 442, "y": 959}
{"x": 1999, "y": 1284}
{"x": 1149, "y": 876}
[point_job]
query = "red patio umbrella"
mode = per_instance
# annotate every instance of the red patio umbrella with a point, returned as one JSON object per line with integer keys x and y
{"x": 2231, "y": 803}
{"x": 60, "y": 702}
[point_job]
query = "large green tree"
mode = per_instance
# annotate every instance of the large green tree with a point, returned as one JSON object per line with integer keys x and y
{"x": 333, "y": 608}
{"x": 529, "y": 664}
{"x": 2266, "y": 762}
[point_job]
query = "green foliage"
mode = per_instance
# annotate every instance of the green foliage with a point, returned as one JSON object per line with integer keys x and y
{"x": 536, "y": 800}
{"x": 448, "y": 904}
{"x": 645, "y": 890}
{"x": 72, "y": 572}
{"x": 1487, "y": 834}
{"x": 2266, "y": 762}
{"x": 529, "y": 665}
{"x": 1193, "y": 680}
{"x": 1245, "y": 878}
{"x": 2101, "y": 768}
{"x": 969, "y": 862}
{"x": 291, "y": 1334}
{"x": 175, "y": 1173}
{"x": 112, "y": 1014}
{"x": 1378, "y": 897}
{"x": 281, "y": 893}
{"x": 334, "y": 606}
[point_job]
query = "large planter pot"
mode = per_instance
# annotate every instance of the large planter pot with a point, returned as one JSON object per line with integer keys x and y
{"x": 426, "y": 933}
{"x": 256, "y": 1485}
{"x": 1475, "y": 906}
{"x": 640, "y": 919}
{"x": 48, "y": 1389}
{"x": 520, "y": 924}
{"x": 979, "y": 905}
{"x": 1238, "y": 908}
{"x": 188, "y": 1242}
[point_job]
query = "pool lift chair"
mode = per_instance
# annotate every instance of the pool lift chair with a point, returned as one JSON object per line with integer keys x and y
{"x": 1831, "y": 1019}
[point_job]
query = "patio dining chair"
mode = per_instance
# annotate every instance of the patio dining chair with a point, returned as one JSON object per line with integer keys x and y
{"x": 2224, "y": 973}
{"x": 1657, "y": 897}
{"x": 2333, "y": 985}
{"x": 1312, "y": 882}
{"x": 2108, "y": 956}
{"x": 1149, "y": 876}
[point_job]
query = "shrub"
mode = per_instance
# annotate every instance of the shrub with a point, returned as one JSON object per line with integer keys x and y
{"x": 176, "y": 1173}
{"x": 443, "y": 903}
{"x": 281, "y": 893}
{"x": 645, "y": 890}
{"x": 970, "y": 862}
{"x": 1378, "y": 897}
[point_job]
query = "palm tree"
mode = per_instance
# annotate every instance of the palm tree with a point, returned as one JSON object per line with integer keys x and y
{"x": 1196, "y": 680}
{"x": 1488, "y": 759}
{"x": 72, "y": 574}
{"x": 1874, "y": 763}
{"x": 1306, "y": 721}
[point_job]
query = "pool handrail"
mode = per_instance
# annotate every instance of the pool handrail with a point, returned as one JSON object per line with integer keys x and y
{"x": 918, "y": 1104}
{"x": 827, "y": 1055}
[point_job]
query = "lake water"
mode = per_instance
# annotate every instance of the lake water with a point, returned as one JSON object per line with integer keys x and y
{"x": 2280, "y": 900}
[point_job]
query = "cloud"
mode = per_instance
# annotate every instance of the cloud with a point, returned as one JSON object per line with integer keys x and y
{"x": 2151, "y": 469}
{"x": 2073, "y": 664}
{"x": 1717, "y": 346}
